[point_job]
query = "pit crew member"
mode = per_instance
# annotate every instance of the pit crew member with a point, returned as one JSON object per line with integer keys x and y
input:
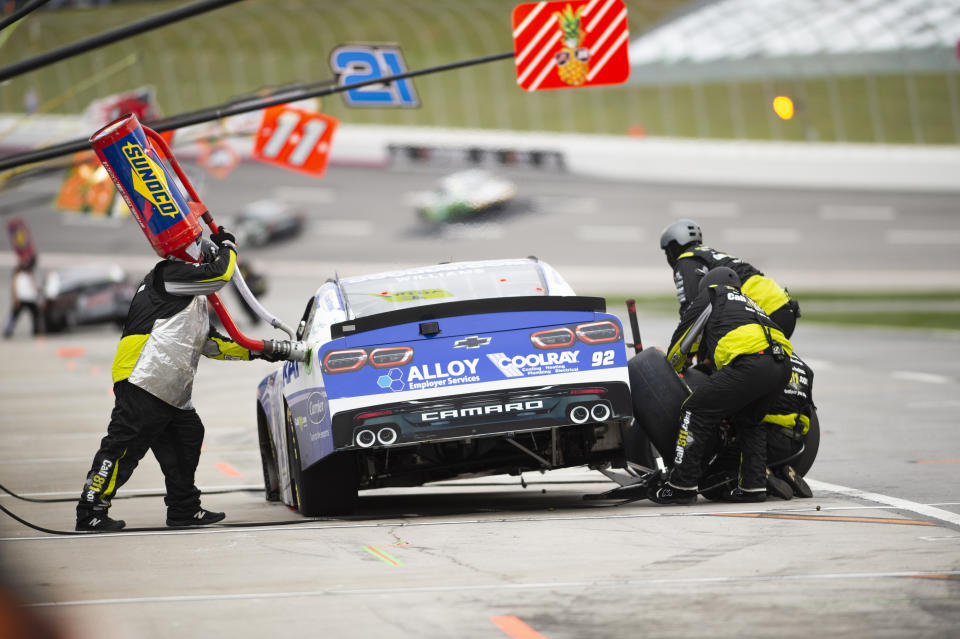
{"x": 682, "y": 242}
{"x": 750, "y": 357}
{"x": 166, "y": 331}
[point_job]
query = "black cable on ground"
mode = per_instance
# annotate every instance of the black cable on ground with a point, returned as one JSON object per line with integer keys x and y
{"x": 22, "y": 11}
{"x": 208, "y": 115}
{"x": 109, "y": 37}
{"x": 58, "y": 500}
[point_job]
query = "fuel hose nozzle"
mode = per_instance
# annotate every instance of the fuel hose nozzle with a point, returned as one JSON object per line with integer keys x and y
{"x": 285, "y": 349}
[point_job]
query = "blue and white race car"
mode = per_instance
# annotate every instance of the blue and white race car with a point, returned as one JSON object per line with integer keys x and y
{"x": 426, "y": 374}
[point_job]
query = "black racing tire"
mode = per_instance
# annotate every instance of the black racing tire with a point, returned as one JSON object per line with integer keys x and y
{"x": 328, "y": 487}
{"x": 636, "y": 446}
{"x": 657, "y": 392}
{"x": 268, "y": 457}
{"x": 811, "y": 445}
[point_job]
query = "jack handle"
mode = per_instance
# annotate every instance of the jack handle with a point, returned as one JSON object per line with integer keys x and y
{"x": 634, "y": 325}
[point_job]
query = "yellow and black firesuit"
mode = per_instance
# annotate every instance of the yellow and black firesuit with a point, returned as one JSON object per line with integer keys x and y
{"x": 788, "y": 423}
{"x": 750, "y": 355}
{"x": 691, "y": 260}
{"x": 166, "y": 331}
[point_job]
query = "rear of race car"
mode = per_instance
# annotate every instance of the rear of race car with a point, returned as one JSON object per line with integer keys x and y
{"x": 493, "y": 386}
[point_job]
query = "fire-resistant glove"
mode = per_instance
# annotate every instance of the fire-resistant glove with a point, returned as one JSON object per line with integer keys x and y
{"x": 223, "y": 237}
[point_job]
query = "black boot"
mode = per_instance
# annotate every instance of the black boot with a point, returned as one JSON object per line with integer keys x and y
{"x": 741, "y": 496}
{"x": 667, "y": 494}
{"x": 778, "y": 487}
{"x": 200, "y": 518}
{"x": 796, "y": 481}
{"x": 98, "y": 522}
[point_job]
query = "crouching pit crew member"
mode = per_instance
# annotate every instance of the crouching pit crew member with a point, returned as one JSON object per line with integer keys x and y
{"x": 682, "y": 242}
{"x": 166, "y": 331}
{"x": 750, "y": 357}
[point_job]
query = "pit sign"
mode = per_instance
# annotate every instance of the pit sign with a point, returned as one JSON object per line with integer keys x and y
{"x": 295, "y": 139}
{"x": 571, "y": 43}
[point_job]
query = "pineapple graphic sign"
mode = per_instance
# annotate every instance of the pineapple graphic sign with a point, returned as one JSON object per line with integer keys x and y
{"x": 570, "y": 43}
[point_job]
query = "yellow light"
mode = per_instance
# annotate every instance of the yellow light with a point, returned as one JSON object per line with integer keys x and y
{"x": 783, "y": 107}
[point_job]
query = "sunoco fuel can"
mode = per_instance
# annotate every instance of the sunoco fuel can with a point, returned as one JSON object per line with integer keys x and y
{"x": 148, "y": 188}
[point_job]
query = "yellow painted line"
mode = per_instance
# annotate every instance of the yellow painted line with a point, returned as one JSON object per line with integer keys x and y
{"x": 382, "y": 556}
{"x": 863, "y": 520}
{"x": 514, "y": 627}
{"x": 227, "y": 469}
{"x": 937, "y": 461}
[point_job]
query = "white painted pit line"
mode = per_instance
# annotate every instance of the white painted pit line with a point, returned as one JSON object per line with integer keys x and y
{"x": 500, "y": 587}
{"x": 930, "y": 512}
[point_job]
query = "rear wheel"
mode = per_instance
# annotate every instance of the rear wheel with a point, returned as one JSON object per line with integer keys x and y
{"x": 328, "y": 487}
{"x": 268, "y": 456}
{"x": 657, "y": 392}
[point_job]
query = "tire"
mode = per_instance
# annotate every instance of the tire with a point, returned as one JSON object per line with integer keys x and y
{"x": 268, "y": 457}
{"x": 636, "y": 446}
{"x": 811, "y": 445}
{"x": 328, "y": 487}
{"x": 657, "y": 392}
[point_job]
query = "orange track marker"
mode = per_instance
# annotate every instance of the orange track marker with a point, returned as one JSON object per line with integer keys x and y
{"x": 862, "y": 520}
{"x": 516, "y": 628}
{"x": 227, "y": 469}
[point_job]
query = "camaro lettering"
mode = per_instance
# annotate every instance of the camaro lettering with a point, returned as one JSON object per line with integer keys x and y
{"x": 456, "y": 368}
{"x": 474, "y": 411}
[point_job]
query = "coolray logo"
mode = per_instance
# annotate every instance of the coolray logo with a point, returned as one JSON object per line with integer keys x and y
{"x": 149, "y": 179}
{"x": 474, "y": 341}
{"x": 479, "y": 411}
{"x": 516, "y": 366}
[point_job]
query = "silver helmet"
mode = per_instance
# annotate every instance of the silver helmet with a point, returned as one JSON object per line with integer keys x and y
{"x": 682, "y": 232}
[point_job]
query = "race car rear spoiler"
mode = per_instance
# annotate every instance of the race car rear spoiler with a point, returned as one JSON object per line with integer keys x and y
{"x": 469, "y": 307}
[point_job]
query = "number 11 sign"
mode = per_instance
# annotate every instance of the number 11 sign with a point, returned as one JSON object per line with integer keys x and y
{"x": 295, "y": 139}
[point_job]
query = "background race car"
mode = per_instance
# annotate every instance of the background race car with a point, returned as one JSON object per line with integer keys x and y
{"x": 86, "y": 295}
{"x": 266, "y": 221}
{"x": 464, "y": 194}
{"x": 468, "y": 368}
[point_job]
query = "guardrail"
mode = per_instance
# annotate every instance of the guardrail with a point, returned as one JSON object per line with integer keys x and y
{"x": 646, "y": 159}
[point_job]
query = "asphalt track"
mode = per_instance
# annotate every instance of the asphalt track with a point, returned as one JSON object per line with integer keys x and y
{"x": 490, "y": 557}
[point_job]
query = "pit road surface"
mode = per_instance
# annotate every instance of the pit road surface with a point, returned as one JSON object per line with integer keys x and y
{"x": 455, "y": 559}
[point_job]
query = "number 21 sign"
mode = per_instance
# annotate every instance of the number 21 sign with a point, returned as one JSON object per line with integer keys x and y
{"x": 295, "y": 139}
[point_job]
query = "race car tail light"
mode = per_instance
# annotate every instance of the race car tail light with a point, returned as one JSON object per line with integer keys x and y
{"x": 602, "y": 332}
{"x": 372, "y": 414}
{"x": 390, "y": 356}
{"x": 553, "y": 338}
{"x": 587, "y": 391}
{"x": 344, "y": 361}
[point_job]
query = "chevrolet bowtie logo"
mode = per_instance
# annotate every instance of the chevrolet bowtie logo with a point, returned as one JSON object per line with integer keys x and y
{"x": 471, "y": 342}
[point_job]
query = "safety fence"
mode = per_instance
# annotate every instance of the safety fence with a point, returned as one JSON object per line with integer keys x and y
{"x": 238, "y": 50}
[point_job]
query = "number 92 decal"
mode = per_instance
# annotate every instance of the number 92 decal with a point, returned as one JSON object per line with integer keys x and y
{"x": 602, "y": 358}
{"x": 356, "y": 63}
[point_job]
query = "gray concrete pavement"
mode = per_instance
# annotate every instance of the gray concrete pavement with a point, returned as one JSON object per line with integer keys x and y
{"x": 881, "y": 558}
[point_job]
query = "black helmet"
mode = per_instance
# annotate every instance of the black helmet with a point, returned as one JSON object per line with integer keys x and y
{"x": 682, "y": 232}
{"x": 721, "y": 275}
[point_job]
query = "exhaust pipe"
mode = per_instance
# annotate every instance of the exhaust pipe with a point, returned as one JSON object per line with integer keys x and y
{"x": 386, "y": 436}
{"x": 366, "y": 438}
{"x": 600, "y": 412}
{"x": 579, "y": 414}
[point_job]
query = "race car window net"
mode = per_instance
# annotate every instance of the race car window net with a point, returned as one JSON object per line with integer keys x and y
{"x": 443, "y": 283}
